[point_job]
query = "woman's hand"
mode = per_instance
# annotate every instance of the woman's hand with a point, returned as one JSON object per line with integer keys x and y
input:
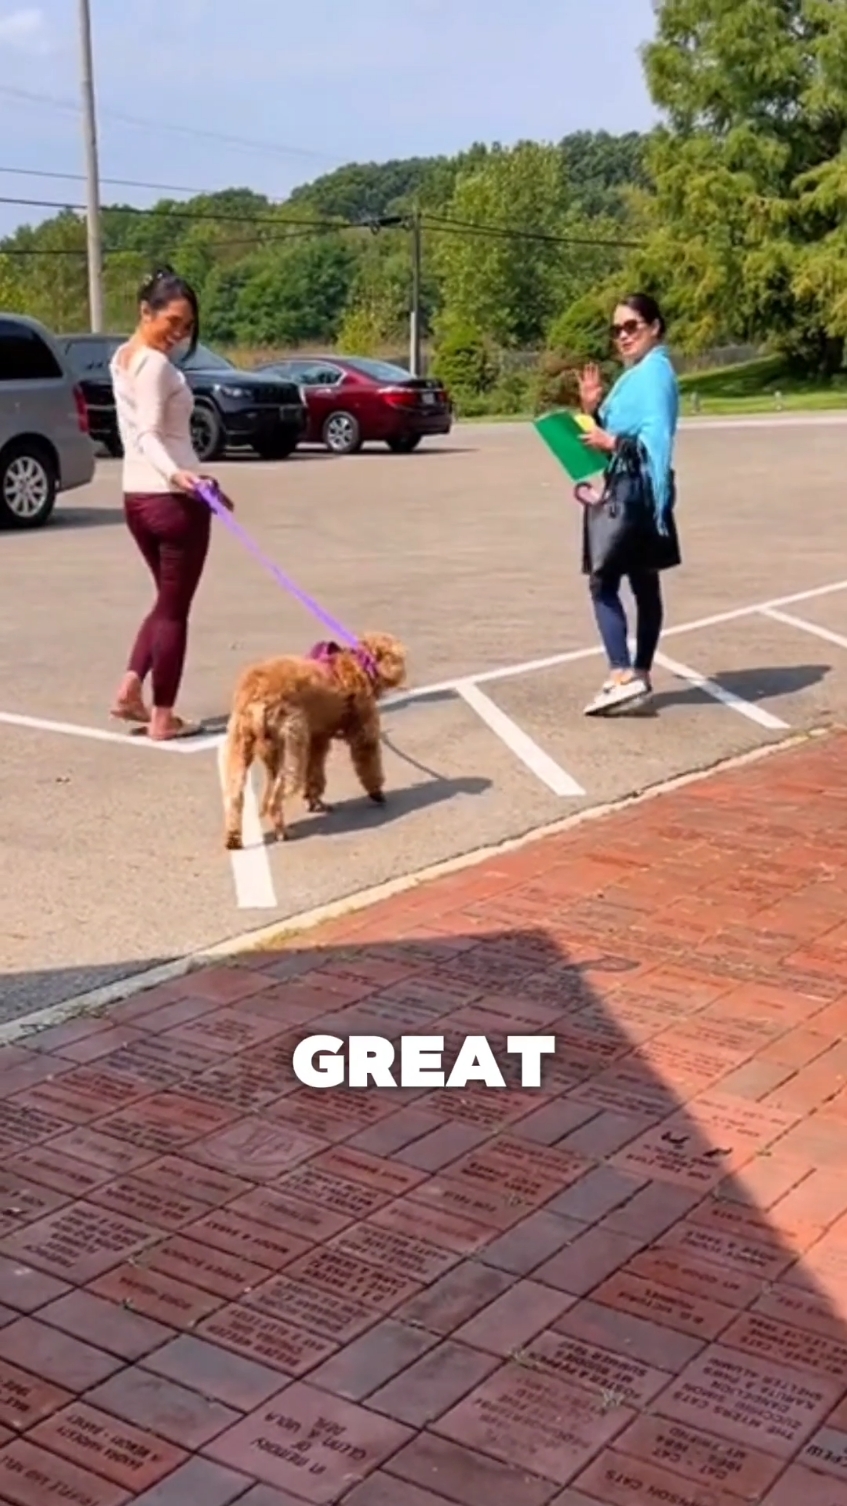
{"x": 598, "y": 439}
{"x": 590, "y": 388}
{"x": 186, "y": 481}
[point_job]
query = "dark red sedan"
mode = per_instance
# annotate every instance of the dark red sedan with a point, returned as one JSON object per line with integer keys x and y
{"x": 354, "y": 400}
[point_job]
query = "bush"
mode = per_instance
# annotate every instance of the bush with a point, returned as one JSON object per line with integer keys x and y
{"x": 555, "y": 383}
{"x": 581, "y": 333}
{"x": 361, "y": 332}
{"x": 463, "y": 361}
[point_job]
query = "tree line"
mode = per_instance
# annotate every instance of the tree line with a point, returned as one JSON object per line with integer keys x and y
{"x": 732, "y": 211}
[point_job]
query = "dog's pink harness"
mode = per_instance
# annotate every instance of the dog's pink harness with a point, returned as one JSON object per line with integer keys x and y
{"x": 326, "y": 653}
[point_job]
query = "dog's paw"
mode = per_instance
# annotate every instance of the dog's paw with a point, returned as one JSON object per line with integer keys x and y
{"x": 378, "y": 797}
{"x": 318, "y": 807}
{"x": 233, "y": 841}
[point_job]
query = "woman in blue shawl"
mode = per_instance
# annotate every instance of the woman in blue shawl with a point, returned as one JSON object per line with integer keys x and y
{"x": 639, "y": 416}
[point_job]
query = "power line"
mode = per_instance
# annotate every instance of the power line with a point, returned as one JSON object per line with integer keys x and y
{"x": 375, "y": 223}
{"x": 437, "y": 224}
{"x": 241, "y": 143}
{"x": 194, "y": 215}
{"x": 468, "y": 227}
{"x": 257, "y": 243}
{"x": 39, "y": 172}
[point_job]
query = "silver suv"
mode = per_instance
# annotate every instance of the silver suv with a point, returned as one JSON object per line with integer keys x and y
{"x": 45, "y": 445}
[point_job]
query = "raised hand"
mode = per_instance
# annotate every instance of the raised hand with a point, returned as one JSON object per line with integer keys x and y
{"x": 590, "y": 388}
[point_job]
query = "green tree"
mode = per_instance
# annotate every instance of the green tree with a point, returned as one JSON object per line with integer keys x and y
{"x": 51, "y": 271}
{"x": 10, "y": 287}
{"x": 381, "y": 295}
{"x": 364, "y": 190}
{"x": 504, "y": 284}
{"x": 756, "y": 107}
{"x": 297, "y": 293}
{"x": 599, "y": 168}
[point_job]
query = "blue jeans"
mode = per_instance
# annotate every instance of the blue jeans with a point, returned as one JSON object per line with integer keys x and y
{"x": 612, "y": 623}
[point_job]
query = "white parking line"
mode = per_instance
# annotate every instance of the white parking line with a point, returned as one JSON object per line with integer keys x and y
{"x": 94, "y": 734}
{"x": 251, "y": 868}
{"x": 726, "y": 697}
{"x": 789, "y": 620}
{"x": 575, "y": 655}
{"x": 518, "y": 742}
{"x": 212, "y": 741}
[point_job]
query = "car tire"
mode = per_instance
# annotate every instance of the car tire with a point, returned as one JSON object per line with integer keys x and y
{"x": 114, "y": 447}
{"x": 278, "y": 448}
{"x": 342, "y": 434}
{"x": 28, "y": 485}
{"x": 207, "y": 433}
{"x": 404, "y": 444}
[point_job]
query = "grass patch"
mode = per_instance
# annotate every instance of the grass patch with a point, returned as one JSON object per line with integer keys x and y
{"x": 761, "y": 386}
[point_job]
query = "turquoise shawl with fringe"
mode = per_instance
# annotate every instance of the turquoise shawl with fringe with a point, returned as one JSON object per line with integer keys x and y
{"x": 643, "y": 406}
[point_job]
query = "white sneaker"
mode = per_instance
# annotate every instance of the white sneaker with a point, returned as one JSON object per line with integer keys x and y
{"x": 617, "y": 695}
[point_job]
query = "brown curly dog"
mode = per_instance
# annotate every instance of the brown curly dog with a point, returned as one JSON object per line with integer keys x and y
{"x": 287, "y": 712}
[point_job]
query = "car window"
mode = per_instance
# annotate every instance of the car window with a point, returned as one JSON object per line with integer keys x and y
{"x": 380, "y": 371}
{"x": 321, "y": 375}
{"x": 24, "y": 357}
{"x": 204, "y": 359}
{"x": 86, "y": 356}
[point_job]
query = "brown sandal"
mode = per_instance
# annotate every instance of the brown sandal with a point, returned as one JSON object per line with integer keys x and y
{"x": 125, "y": 711}
{"x": 179, "y": 729}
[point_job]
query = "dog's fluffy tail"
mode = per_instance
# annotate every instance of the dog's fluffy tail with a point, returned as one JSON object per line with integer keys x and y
{"x": 282, "y": 743}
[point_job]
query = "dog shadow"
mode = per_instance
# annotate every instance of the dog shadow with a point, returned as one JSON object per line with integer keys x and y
{"x": 360, "y": 814}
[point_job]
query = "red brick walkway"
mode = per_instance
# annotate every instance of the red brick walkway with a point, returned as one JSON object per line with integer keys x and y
{"x": 629, "y": 1287}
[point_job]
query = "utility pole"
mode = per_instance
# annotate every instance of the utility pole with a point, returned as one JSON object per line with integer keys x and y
{"x": 92, "y": 171}
{"x": 415, "y": 317}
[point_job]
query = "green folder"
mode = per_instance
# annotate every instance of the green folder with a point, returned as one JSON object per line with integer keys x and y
{"x": 563, "y": 433}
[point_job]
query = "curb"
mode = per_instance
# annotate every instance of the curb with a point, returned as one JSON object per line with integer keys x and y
{"x": 98, "y": 1001}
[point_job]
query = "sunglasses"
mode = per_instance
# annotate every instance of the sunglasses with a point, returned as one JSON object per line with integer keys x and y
{"x": 629, "y": 328}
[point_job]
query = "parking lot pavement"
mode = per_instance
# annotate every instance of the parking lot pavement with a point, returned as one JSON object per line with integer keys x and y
{"x": 220, "y": 1288}
{"x": 467, "y": 550}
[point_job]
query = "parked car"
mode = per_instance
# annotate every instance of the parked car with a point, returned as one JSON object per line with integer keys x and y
{"x": 352, "y": 400}
{"x": 231, "y": 408}
{"x": 45, "y": 446}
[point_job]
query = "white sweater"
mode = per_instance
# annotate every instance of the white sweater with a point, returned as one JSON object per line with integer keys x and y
{"x": 154, "y": 404}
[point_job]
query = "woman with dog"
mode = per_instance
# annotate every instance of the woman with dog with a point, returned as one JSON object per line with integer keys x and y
{"x": 635, "y": 430}
{"x": 168, "y": 522}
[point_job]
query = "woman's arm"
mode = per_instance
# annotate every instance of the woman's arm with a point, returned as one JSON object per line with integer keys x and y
{"x": 153, "y": 385}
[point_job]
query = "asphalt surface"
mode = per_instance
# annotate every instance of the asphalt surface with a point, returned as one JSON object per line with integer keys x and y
{"x": 111, "y": 850}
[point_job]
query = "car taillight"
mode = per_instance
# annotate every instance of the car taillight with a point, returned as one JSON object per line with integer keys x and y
{"x": 400, "y": 397}
{"x": 81, "y": 411}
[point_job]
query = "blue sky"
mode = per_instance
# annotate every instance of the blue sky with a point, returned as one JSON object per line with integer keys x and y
{"x": 303, "y": 87}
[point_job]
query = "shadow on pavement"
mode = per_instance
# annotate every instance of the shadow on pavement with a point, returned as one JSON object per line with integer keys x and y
{"x": 764, "y": 683}
{"x": 627, "y": 1283}
{"x": 68, "y": 516}
{"x": 360, "y": 814}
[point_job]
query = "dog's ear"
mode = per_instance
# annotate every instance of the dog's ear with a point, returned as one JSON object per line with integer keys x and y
{"x": 383, "y": 646}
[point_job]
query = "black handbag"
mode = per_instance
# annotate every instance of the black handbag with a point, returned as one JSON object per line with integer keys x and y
{"x": 620, "y": 529}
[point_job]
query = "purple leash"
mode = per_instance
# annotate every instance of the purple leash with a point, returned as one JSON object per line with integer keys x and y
{"x": 209, "y": 492}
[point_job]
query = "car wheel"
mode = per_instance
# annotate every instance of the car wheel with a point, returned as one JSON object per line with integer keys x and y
{"x": 114, "y": 447}
{"x": 342, "y": 434}
{"x": 279, "y": 448}
{"x": 404, "y": 444}
{"x": 206, "y": 433}
{"x": 28, "y": 486}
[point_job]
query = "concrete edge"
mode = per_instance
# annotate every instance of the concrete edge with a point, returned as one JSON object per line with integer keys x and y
{"x": 97, "y": 1001}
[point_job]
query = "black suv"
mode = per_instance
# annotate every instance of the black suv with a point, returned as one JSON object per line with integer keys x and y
{"x": 232, "y": 408}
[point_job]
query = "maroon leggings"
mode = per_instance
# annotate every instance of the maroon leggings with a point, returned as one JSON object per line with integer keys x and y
{"x": 172, "y": 532}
